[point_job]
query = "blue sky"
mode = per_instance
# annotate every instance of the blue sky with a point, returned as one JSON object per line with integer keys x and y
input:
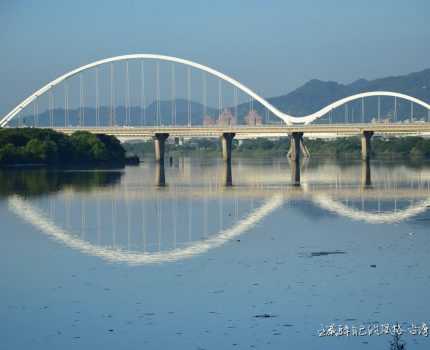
{"x": 271, "y": 46}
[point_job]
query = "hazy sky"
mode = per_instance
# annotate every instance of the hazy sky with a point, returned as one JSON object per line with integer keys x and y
{"x": 271, "y": 46}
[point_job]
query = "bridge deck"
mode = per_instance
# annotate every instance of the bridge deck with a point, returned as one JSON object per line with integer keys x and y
{"x": 254, "y": 131}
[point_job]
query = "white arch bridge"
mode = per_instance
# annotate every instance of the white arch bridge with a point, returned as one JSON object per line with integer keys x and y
{"x": 173, "y": 109}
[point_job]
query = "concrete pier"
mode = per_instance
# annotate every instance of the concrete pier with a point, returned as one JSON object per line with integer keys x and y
{"x": 366, "y": 146}
{"x": 226, "y": 144}
{"x": 159, "y": 143}
{"x": 297, "y": 147}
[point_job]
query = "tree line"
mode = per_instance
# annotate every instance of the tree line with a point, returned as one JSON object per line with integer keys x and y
{"x": 27, "y": 146}
{"x": 392, "y": 148}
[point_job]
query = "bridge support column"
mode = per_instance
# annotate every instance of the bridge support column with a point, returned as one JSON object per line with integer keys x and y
{"x": 159, "y": 143}
{"x": 366, "y": 147}
{"x": 297, "y": 147}
{"x": 226, "y": 144}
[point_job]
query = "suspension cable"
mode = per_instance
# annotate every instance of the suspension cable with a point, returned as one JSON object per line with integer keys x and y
{"x": 127, "y": 95}
{"x": 51, "y": 109}
{"x": 412, "y": 111}
{"x": 395, "y": 108}
{"x": 379, "y": 108}
{"x": 157, "y": 73}
{"x": 97, "y": 97}
{"x": 205, "y": 93}
{"x": 235, "y": 97}
{"x": 66, "y": 104}
{"x": 173, "y": 93}
{"x": 112, "y": 95}
{"x": 142, "y": 94}
{"x": 36, "y": 113}
{"x": 81, "y": 100}
{"x": 219, "y": 96}
{"x": 346, "y": 113}
{"x": 189, "y": 94}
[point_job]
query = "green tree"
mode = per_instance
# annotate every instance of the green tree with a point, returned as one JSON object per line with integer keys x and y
{"x": 35, "y": 151}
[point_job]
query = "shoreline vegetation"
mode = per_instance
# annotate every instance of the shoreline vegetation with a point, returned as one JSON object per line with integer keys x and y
{"x": 29, "y": 147}
{"x": 393, "y": 148}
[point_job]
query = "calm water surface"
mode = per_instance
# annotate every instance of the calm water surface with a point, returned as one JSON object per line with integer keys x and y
{"x": 109, "y": 259}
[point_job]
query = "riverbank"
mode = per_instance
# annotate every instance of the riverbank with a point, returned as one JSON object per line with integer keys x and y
{"x": 31, "y": 147}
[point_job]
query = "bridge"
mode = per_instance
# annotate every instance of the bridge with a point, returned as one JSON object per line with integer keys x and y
{"x": 227, "y": 133}
{"x": 87, "y": 98}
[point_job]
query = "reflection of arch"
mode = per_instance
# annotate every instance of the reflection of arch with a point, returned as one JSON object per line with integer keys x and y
{"x": 339, "y": 208}
{"x": 289, "y": 119}
{"x": 37, "y": 218}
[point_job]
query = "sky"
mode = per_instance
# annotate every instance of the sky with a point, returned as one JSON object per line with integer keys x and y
{"x": 271, "y": 46}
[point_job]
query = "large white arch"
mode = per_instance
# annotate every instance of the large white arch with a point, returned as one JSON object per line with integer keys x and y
{"x": 47, "y": 87}
{"x": 288, "y": 119}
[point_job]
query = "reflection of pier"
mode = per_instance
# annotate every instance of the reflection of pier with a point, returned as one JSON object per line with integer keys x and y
{"x": 228, "y": 179}
{"x": 160, "y": 177}
{"x": 296, "y": 174}
{"x": 366, "y": 179}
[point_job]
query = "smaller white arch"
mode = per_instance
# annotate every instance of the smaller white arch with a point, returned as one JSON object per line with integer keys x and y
{"x": 323, "y": 111}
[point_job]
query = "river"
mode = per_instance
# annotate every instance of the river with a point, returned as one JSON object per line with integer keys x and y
{"x": 203, "y": 256}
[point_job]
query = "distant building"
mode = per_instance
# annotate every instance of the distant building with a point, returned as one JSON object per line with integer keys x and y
{"x": 226, "y": 118}
{"x": 208, "y": 120}
{"x": 253, "y": 118}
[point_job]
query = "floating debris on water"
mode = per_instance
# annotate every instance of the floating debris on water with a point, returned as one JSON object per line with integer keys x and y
{"x": 265, "y": 316}
{"x": 324, "y": 253}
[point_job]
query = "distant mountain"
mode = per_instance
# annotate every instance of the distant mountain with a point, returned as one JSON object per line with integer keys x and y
{"x": 316, "y": 94}
{"x": 310, "y": 97}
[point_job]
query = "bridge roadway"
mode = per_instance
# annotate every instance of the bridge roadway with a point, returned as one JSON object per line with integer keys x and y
{"x": 228, "y": 132}
{"x": 255, "y": 131}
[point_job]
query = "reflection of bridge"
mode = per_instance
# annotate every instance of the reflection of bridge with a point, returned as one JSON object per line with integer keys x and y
{"x": 53, "y": 226}
{"x": 136, "y": 222}
{"x": 143, "y": 125}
